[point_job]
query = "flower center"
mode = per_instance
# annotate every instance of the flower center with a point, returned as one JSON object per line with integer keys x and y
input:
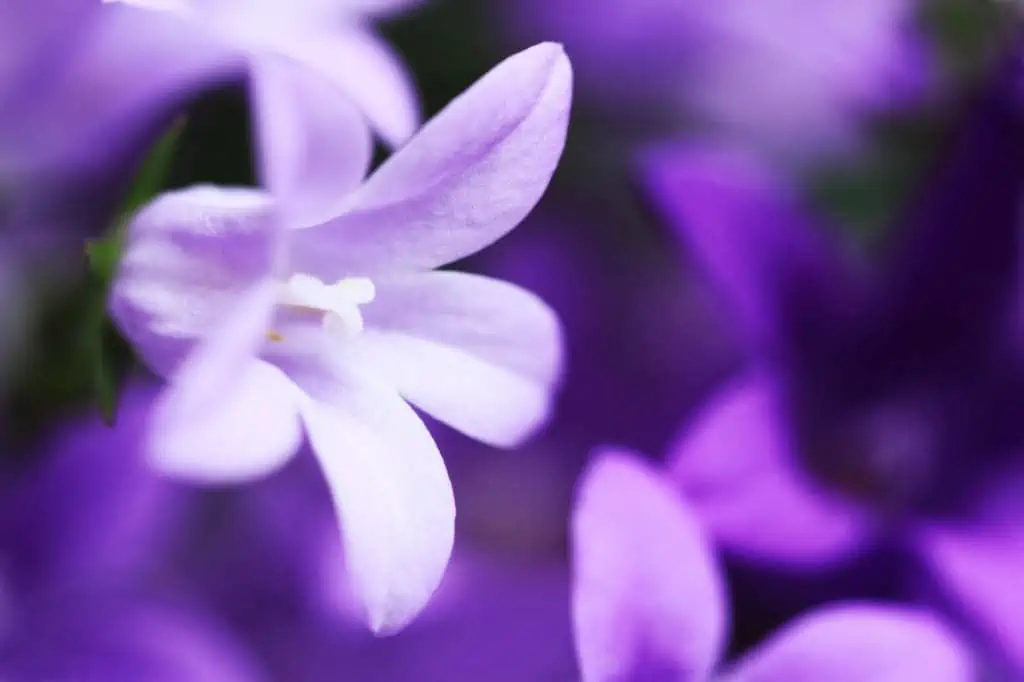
{"x": 338, "y": 303}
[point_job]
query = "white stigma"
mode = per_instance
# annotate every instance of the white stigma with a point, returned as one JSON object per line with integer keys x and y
{"x": 339, "y": 302}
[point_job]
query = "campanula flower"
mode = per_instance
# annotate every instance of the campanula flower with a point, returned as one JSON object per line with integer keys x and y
{"x": 312, "y": 309}
{"x": 880, "y": 402}
{"x": 80, "y": 523}
{"x": 793, "y": 78}
{"x": 649, "y": 602}
{"x": 331, "y": 37}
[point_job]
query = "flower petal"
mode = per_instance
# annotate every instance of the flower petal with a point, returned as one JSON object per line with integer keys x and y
{"x": 648, "y": 597}
{"x": 226, "y": 416}
{"x": 859, "y": 643}
{"x": 121, "y": 641}
{"x": 762, "y": 251}
{"x": 188, "y": 257}
{"x": 736, "y": 467}
{"x": 479, "y": 354}
{"x": 391, "y": 491}
{"x": 314, "y": 144}
{"x": 980, "y": 569}
{"x": 369, "y": 72}
{"x": 468, "y": 177}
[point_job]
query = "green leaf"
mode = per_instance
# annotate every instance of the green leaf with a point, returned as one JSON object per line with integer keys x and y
{"x": 154, "y": 170}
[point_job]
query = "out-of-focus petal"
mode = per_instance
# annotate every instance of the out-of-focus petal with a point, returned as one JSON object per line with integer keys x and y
{"x": 759, "y": 248}
{"x": 189, "y": 255}
{"x": 390, "y": 489}
{"x": 224, "y": 415}
{"x": 479, "y": 354}
{"x": 382, "y": 7}
{"x": 738, "y": 470}
{"x": 859, "y": 643}
{"x": 979, "y": 569}
{"x": 314, "y": 144}
{"x": 122, "y": 642}
{"x": 956, "y": 267}
{"x": 88, "y": 510}
{"x": 468, "y": 177}
{"x": 369, "y": 72}
{"x": 648, "y": 599}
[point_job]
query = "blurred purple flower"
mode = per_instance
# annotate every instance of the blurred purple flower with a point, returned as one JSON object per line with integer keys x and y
{"x": 880, "y": 405}
{"x": 792, "y": 77}
{"x": 649, "y": 602}
{"x": 331, "y": 37}
{"x": 80, "y": 525}
{"x": 243, "y": 272}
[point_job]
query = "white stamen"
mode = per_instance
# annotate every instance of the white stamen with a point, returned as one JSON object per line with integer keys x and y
{"x": 339, "y": 302}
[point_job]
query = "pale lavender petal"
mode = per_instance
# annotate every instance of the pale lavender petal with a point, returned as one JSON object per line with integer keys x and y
{"x": 738, "y": 469}
{"x": 188, "y": 257}
{"x": 370, "y": 72}
{"x": 226, "y": 416}
{"x": 389, "y": 486}
{"x": 787, "y": 287}
{"x": 467, "y": 178}
{"x": 648, "y": 597}
{"x": 314, "y": 145}
{"x": 383, "y": 7}
{"x": 859, "y": 643}
{"x": 980, "y": 569}
{"x": 479, "y": 354}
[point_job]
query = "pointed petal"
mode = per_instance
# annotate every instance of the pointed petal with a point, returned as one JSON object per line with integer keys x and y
{"x": 859, "y": 643}
{"x": 737, "y": 468}
{"x": 390, "y": 489}
{"x": 370, "y": 73}
{"x": 188, "y": 256}
{"x": 648, "y": 599}
{"x": 757, "y": 246}
{"x": 468, "y": 177}
{"x": 226, "y": 416}
{"x": 479, "y": 354}
{"x": 980, "y": 569}
{"x": 314, "y": 144}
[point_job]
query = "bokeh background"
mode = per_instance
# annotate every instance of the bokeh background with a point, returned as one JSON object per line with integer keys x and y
{"x": 252, "y": 573}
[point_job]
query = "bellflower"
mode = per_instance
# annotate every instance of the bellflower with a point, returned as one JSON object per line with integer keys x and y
{"x": 79, "y": 524}
{"x": 792, "y": 77}
{"x": 312, "y": 309}
{"x": 879, "y": 404}
{"x": 649, "y": 602}
{"x": 331, "y": 37}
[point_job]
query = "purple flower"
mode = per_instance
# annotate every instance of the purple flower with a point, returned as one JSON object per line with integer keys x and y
{"x": 80, "y": 525}
{"x": 318, "y": 310}
{"x": 331, "y": 37}
{"x": 793, "y": 77}
{"x": 649, "y": 602}
{"x": 878, "y": 404}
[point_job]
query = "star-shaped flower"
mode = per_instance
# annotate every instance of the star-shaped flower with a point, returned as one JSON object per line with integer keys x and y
{"x": 316, "y": 310}
{"x": 649, "y": 602}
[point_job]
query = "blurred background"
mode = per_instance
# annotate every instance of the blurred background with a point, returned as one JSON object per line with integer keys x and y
{"x": 849, "y": 106}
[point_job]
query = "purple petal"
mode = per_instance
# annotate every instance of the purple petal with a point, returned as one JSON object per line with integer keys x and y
{"x": 122, "y": 642}
{"x": 980, "y": 568}
{"x": 479, "y": 354}
{"x": 389, "y": 486}
{"x": 785, "y": 285}
{"x": 740, "y": 473}
{"x": 648, "y": 599}
{"x": 225, "y": 415}
{"x": 188, "y": 257}
{"x": 859, "y": 643}
{"x": 88, "y": 510}
{"x": 314, "y": 145}
{"x": 371, "y": 73}
{"x": 468, "y": 177}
